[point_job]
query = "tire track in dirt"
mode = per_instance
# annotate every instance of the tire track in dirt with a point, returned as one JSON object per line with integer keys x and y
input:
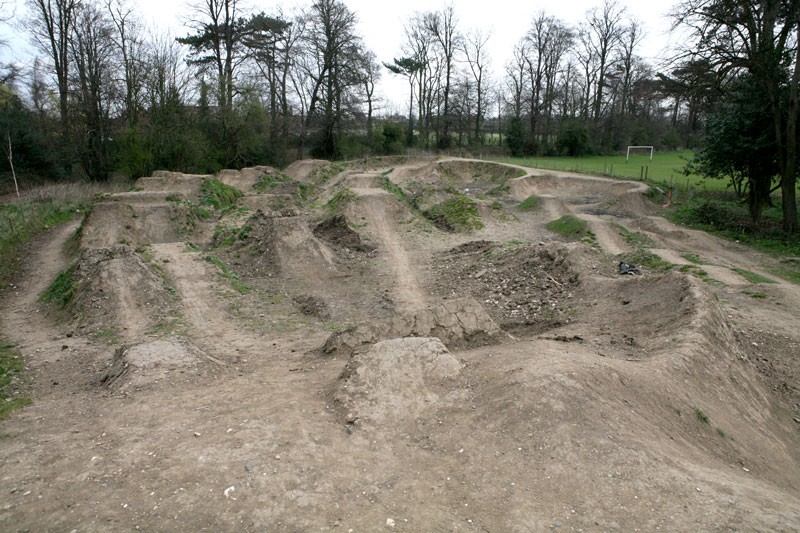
{"x": 406, "y": 291}
{"x": 213, "y": 330}
{"x": 21, "y": 319}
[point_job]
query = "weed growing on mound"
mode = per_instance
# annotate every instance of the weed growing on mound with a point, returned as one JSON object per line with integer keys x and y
{"x": 11, "y": 366}
{"x": 393, "y": 188}
{"x": 693, "y": 258}
{"x": 756, "y": 295}
{"x": 269, "y": 181}
{"x": 531, "y": 203}
{"x": 459, "y": 213}
{"x": 701, "y": 416}
{"x": 340, "y": 200}
{"x": 63, "y": 288}
{"x": 325, "y": 173}
{"x": 227, "y": 235}
{"x": 219, "y": 195}
{"x": 225, "y": 271}
{"x": 698, "y": 272}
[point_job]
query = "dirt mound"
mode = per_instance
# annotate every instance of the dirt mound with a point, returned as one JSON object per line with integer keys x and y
{"x": 653, "y": 402}
{"x": 628, "y": 205}
{"x": 174, "y": 182}
{"x": 335, "y": 230}
{"x": 135, "y": 219}
{"x": 252, "y": 248}
{"x": 303, "y": 169}
{"x": 395, "y": 380}
{"x": 458, "y": 323}
{"x": 312, "y": 306}
{"x": 268, "y": 202}
{"x": 632, "y": 317}
{"x": 146, "y": 363}
{"x": 475, "y": 172}
{"x": 119, "y": 293}
{"x": 523, "y": 287}
{"x": 247, "y": 178}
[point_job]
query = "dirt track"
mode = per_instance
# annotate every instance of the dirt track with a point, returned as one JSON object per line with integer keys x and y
{"x": 565, "y": 396}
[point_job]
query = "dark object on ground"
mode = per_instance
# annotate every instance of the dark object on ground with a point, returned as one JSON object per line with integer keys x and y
{"x": 625, "y": 268}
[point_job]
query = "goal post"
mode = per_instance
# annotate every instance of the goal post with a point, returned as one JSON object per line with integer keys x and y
{"x": 628, "y": 156}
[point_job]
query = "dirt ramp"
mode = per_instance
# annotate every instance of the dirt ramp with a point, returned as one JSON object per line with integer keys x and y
{"x": 304, "y": 169}
{"x": 268, "y": 202}
{"x": 174, "y": 182}
{"x": 336, "y": 231}
{"x": 394, "y": 381}
{"x": 134, "y": 220}
{"x": 245, "y": 179}
{"x": 254, "y": 251}
{"x": 142, "y": 364}
{"x": 631, "y": 204}
{"x": 119, "y": 294}
{"x": 635, "y": 317}
{"x": 458, "y": 323}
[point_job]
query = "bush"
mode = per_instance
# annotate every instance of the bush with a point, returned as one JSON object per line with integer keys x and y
{"x": 573, "y": 139}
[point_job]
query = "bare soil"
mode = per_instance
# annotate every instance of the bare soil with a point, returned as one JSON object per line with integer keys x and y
{"x": 290, "y": 365}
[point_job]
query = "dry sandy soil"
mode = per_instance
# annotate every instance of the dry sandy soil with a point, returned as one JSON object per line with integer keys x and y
{"x": 372, "y": 371}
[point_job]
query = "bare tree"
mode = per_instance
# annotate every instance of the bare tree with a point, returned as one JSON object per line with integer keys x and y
{"x": 516, "y": 72}
{"x": 330, "y": 66}
{"x": 50, "y": 24}
{"x": 421, "y": 67}
{"x": 216, "y": 44}
{"x": 93, "y": 54}
{"x": 442, "y": 27}
{"x": 478, "y": 62}
{"x": 131, "y": 48}
{"x": 370, "y": 71}
{"x": 603, "y": 36}
{"x": 631, "y": 38}
{"x": 411, "y": 69}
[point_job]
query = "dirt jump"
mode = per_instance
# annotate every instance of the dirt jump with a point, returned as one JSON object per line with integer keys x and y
{"x": 399, "y": 344}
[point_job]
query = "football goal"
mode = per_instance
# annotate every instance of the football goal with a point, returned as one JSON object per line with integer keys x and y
{"x": 628, "y": 156}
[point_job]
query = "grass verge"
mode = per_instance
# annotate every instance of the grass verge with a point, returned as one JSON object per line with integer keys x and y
{"x": 11, "y": 366}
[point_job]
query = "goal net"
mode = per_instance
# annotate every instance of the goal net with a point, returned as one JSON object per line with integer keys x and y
{"x": 628, "y": 156}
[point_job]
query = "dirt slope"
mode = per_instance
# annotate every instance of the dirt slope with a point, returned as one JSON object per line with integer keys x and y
{"x": 347, "y": 365}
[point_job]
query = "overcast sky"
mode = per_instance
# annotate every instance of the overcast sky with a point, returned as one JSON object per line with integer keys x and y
{"x": 381, "y": 24}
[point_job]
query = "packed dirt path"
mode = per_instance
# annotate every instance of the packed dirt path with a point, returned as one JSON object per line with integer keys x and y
{"x": 406, "y": 292}
{"x": 500, "y": 378}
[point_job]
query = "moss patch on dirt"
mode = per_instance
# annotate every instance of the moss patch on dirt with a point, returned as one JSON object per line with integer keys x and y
{"x": 569, "y": 226}
{"x": 456, "y": 214}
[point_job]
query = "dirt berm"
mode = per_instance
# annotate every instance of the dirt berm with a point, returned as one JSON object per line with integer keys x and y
{"x": 398, "y": 344}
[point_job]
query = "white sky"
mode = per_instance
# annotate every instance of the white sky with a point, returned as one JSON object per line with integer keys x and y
{"x": 381, "y": 25}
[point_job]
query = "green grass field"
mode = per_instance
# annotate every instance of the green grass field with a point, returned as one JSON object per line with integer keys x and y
{"x": 665, "y": 170}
